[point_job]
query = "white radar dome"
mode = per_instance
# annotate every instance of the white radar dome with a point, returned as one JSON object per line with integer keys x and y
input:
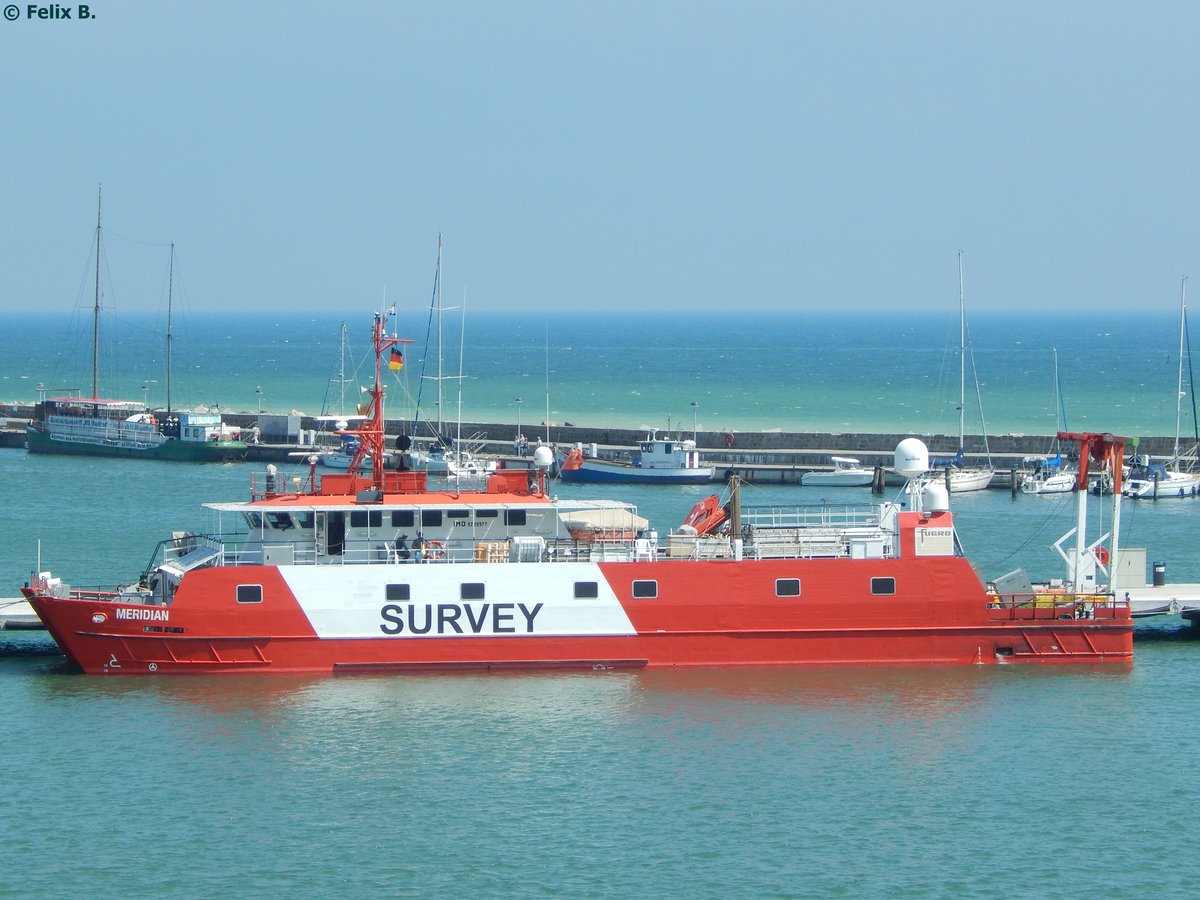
{"x": 912, "y": 457}
{"x": 935, "y": 497}
{"x": 543, "y": 457}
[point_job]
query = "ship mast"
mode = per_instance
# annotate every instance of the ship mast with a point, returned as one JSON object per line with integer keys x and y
{"x": 371, "y": 433}
{"x": 96, "y": 308}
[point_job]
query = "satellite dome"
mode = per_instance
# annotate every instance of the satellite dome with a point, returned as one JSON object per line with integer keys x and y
{"x": 912, "y": 458}
{"x": 935, "y": 497}
{"x": 543, "y": 457}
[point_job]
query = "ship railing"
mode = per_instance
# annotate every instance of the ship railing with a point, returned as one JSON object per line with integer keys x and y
{"x": 272, "y": 484}
{"x": 94, "y": 593}
{"x": 49, "y": 585}
{"x": 684, "y": 546}
{"x": 376, "y": 551}
{"x": 1061, "y": 605}
{"x": 834, "y": 518}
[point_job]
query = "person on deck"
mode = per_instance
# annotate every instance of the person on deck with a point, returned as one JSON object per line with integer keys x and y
{"x": 402, "y": 552}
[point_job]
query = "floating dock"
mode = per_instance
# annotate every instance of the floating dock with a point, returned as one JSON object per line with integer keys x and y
{"x": 17, "y": 615}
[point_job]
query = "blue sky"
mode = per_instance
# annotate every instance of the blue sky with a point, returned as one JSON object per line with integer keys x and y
{"x": 625, "y": 155}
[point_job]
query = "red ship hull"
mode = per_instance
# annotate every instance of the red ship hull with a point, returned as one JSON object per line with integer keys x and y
{"x": 717, "y": 613}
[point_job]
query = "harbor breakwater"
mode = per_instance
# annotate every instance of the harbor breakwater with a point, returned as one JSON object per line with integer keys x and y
{"x": 802, "y": 450}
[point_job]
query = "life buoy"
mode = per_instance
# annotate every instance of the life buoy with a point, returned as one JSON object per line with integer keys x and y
{"x": 1102, "y": 555}
{"x": 434, "y": 550}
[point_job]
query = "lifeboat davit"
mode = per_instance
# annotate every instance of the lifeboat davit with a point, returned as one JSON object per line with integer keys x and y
{"x": 706, "y": 515}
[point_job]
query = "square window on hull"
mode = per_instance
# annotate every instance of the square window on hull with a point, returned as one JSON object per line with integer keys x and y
{"x": 645, "y": 590}
{"x": 787, "y": 587}
{"x": 249, "y": 593}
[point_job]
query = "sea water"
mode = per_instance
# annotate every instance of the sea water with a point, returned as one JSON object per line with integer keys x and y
{"x": 865, "y": 372}
{"x": 996, "y": 781}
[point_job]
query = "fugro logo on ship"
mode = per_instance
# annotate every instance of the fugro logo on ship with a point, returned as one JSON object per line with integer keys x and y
{"x": 455, "y": 618}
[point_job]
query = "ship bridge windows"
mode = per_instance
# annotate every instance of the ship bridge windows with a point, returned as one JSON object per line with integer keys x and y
{"x": 281, "y": 521}
{"x": 883, "y": 587}
{"x": 514, "y": 517}
{"x": 458, "y": 514}
{"x": 254, "y": 520}
{"x": 403, "y": 518}
{"x": 364, "y": 518}
{"x": 249, "y": 593}
{"x": 787, "y": 587}
{"x": 487, "y": 513}
{"x": 431, "y": 518}
{"x": 645, "y": 590}
{"x": 304, "y": 520}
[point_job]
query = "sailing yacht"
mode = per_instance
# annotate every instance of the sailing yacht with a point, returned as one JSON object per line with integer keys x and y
{"x": 454, "y": 457}
{"x": 1178, "y": 476}
{"x": 1052, "y": 475}
{"x": 340, "y": 457}
{"x": 98, "y": 426}
{"x": 959, "y": 477}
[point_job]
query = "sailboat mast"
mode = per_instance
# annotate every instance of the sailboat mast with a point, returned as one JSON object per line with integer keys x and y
{"x": 342, "y": 371}
{"x": 170, "y": 337}
{"x": 462, "y": 343}
{"x": 1060, "y": 408}
{"x": 439, "y": 337}
{"x": 96, "y": 307}
{"x": 962, "y": 355}
{"x": 1179, "y": 382}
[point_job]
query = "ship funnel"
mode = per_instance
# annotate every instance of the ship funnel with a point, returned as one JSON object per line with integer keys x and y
{"x": 912, "y": 458}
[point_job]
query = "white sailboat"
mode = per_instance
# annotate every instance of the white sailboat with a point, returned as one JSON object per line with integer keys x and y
{"x": 453, "y": 458}
{"x": 959, "y": 477}
{"x": 1178, "y": 476}
{"x": 1052, "y": 475}
{"x": 341, "y": 457}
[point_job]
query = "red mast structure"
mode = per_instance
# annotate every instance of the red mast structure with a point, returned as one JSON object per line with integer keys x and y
{"x": 370, "y": 433}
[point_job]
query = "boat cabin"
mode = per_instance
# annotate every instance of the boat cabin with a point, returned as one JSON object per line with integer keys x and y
{"x": 667, "y": 453}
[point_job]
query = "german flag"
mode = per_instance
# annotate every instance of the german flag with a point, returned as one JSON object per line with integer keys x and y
{"x": 396, "y": 360}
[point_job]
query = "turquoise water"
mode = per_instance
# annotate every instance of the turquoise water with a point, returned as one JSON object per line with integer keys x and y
{"x": 746, "y": 372}
{"x": 989, "y": 782}
{"x": 900, "y": 782}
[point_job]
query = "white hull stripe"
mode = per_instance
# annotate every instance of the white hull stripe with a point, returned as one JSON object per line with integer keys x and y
{"x": 518, "y": 600}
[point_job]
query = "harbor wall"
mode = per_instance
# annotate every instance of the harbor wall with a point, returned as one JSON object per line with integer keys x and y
{"x": 777, "y": 448}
